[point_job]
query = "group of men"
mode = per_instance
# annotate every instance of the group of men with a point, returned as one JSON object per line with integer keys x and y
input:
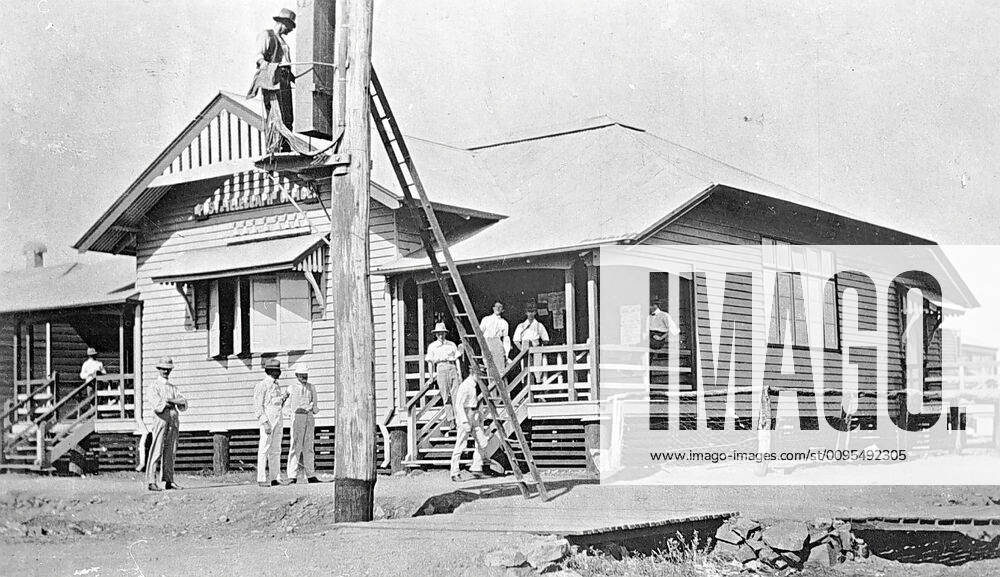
{"x": 444, "y": 358}
{"x": 270, "y": 404}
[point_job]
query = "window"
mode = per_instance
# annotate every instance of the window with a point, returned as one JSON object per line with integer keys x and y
{"x": 811, "y": 314}
{"x": 259, "y": 314}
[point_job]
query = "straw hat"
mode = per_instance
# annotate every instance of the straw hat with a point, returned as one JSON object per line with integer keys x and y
{"x": 91, "y": 352}
{"x": 165, "y": 363}
{"x": 440, "y": 328}
{"x": 286, "y": 16}
{"x": 270, "y": 364}
{"x": 302, "y": 370}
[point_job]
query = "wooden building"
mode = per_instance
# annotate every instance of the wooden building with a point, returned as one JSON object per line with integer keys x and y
{"x": 230, "y": 265}
{"x": 49, "y": 316}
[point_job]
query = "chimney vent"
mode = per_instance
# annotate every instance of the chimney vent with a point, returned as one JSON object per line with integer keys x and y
{"x": 35, "y": 254}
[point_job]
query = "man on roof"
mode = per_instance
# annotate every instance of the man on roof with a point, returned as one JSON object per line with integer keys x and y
{"x": 273, "y": 80}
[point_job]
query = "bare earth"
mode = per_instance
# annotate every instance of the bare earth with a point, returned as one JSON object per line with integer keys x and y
{"x": 110, "y": 525}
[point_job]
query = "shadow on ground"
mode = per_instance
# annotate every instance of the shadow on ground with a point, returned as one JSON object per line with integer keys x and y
{"x": 951, "y": 548}
{"x": 447, "y": 502}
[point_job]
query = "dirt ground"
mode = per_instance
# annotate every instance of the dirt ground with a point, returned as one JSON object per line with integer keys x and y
{"x": 111, "y": 525}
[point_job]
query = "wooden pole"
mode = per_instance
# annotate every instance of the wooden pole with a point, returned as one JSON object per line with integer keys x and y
{"x": 349, "y": 301}
{"x": 137, "y": 363}
{"x": 569, "y": 318}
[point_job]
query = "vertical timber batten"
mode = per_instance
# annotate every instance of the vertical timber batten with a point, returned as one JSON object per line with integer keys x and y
{"x": 350, "y": 302}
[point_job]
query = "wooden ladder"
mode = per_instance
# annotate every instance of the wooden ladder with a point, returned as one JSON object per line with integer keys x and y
{"x": 491, "y": 384}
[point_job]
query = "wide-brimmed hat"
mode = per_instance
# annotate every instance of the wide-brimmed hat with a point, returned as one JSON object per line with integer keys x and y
{"x": 270, "y": 364}
{"x": 440, "y": 328}
{"x": 286, "y": 16}
{"x": 302, "y": 370}
{"x": 91, "y": 351}
{"x": 165, "y": 363}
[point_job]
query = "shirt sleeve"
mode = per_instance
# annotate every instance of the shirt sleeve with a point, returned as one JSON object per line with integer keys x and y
{"x": 519, "y": 332}
{"x": 543, "y": 333}
{"x": 263, "y": 39}
{"x": 315, "y": 406}
{"x": 159, "y": 400}
{"x": 258, "y": 403}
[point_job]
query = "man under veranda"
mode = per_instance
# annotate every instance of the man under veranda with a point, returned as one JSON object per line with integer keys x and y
{"x": 91, "y": 367}
{"x": 496, "y": 331}
{"x": 442, "y": 358}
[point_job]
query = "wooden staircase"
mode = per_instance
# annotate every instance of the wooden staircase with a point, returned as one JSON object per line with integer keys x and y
{"x": 500, "y": 418}
{"x": 430, "y": 444}
{"x": 33, "y": 436}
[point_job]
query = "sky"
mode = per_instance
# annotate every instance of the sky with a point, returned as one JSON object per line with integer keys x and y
{"x": 884, "y": 108}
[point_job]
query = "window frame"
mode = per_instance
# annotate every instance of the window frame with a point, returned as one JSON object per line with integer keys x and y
{"x": 838, "y": 314}
{"x": 241, "y": 328}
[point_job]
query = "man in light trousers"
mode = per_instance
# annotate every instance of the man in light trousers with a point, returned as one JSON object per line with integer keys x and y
{"x": 467, "y": 423}
{"x": 496, "y": 332}
{"x": 268, "y": 399}
{"x": 166, "y": 402}
{"x": 302, "y": 405}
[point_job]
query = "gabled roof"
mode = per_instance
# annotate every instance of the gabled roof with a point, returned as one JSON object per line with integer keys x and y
{"x": 602, "y": 182}
{"x": 189, "y": 151}
{"x": 67, "y": 286}
{"x": 225, "y": 139}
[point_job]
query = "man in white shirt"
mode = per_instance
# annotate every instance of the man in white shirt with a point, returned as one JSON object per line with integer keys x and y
{"x": 661, "y": 325}
{"x": 496, "y": 331}
{"x": 531, "y": 332}
{"x": 302, "y": 405}
{"x": 166, "y": 402}
{"x": 467, "y": 423}
{"x": 91, "y": 367}
{"x": 267, "y": 403}
{"x": 442, "y": 360}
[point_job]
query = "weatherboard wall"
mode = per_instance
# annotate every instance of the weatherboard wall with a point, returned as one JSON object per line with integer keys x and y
{"x": 220, "y": 389}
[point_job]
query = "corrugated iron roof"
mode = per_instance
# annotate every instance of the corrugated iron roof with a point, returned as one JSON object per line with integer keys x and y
{"x": 67, "y": 286}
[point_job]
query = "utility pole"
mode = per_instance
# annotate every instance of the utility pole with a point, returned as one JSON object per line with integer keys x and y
{"x": 349, "y": 302}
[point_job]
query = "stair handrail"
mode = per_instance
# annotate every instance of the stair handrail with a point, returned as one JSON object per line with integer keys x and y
{"x": 431, "y": 382}
{"x": 42, "y": 387}
{"x": 29, "y": 430}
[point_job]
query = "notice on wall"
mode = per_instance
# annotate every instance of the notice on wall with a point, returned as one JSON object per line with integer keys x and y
{"x": 557, "y": 319}
{"x": 630, "y": 327}
{"x": 552, "y": 302}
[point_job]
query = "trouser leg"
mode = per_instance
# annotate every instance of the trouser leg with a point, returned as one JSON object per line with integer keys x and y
{"x": 481, "y": 440}
{"x": 460, "y": 444}
{"x": 295, "y": 447}
{"x": 170, "y": 448}
{"x": 155, "y": 453}
{"x": 309, "y": 446}
{"x": 274, "y": 451}
{"x": 263, "y": 450}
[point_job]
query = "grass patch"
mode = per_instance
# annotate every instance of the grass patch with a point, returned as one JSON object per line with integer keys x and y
{"x": 679, "y": 559}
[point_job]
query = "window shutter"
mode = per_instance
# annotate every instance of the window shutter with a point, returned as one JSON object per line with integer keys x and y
{"x": 264, "y": 335}
{"x": 214, "y": 347}
{"x": 238, "y": 344}
{"x": 294, "y": 313}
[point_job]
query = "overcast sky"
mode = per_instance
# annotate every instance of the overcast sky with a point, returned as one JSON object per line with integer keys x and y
{"x": 888, "y": 109}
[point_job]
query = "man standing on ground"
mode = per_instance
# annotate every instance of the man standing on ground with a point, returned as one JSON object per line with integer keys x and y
{"x": 166, "y": 402}
{"x": 467, "y": 423}
{"x": 267, "y": 403}
{"x": 302, "y": 404}
{"x": 496, "y": 332}
{"x": 442, "y": 358}
{"x": 91, "y": 367}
